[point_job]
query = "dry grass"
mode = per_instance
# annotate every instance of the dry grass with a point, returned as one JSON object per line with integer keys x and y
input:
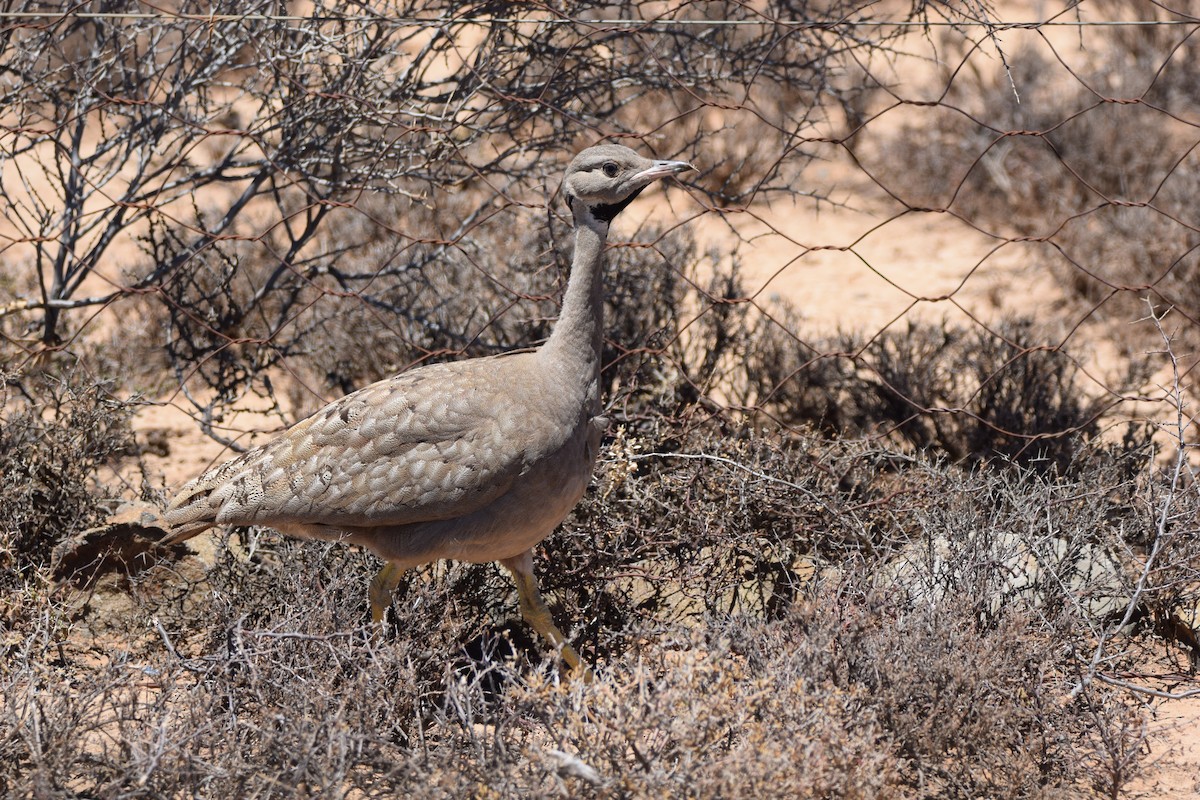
{"x": 804, "y": 618}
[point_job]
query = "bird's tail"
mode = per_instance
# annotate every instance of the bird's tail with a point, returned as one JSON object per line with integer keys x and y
{"x": 182, "y": 534}
{"x": 189, "y": 513}
{"x": 207, "y": 500}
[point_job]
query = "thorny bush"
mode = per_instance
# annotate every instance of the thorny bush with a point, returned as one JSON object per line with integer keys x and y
{"x": 57, "y": 434}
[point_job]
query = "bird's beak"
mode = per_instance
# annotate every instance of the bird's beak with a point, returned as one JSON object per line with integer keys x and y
{"x": 662, "y": 169}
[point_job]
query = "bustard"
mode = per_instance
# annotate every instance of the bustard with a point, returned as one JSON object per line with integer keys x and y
{"x": 475, "y": 460}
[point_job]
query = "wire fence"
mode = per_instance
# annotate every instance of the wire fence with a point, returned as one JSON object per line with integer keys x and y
{"x": 920, "y": 237}
{"x": 958, "y": 231}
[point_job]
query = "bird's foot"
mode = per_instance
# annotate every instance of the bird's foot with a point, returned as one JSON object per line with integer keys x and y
{"x": 578, "y": 670}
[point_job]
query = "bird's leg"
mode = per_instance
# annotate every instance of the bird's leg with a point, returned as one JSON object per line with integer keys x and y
{"x": 382, "y": 586}
{"x": 535, "y": 612}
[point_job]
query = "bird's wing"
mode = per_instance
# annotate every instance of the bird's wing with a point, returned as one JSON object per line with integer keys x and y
{"x": 434, "y": 443}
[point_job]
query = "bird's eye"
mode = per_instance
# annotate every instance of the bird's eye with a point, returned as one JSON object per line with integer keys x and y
{"x": 610, "y": 169}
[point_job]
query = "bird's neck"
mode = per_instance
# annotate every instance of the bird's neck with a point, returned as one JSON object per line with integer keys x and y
{"x": 578, "y": 335}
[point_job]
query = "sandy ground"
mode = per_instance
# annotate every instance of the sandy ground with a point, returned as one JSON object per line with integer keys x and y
{"x": 860, "y": 269}
{"x": 1173, "y": 768}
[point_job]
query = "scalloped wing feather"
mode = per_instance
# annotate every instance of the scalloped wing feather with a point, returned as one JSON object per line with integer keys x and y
{"x": 433, "y": 443}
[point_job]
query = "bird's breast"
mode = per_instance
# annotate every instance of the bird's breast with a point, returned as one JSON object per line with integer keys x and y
{"x": 541, "y": 497}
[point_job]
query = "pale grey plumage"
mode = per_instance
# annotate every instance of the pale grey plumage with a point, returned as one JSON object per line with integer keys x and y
{"x": 475, "y": 460}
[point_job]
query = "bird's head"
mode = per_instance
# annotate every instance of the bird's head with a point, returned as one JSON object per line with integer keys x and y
{"x": 602, "y": 180}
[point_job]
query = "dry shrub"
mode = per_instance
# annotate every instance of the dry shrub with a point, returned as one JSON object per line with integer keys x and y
{"x": 56, "y": 433}
{"x": 771, "y": 721}
{"x": 851, "y": 694}
{"x": 1000, "y": 394}
{"x": 973, "y": 394}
